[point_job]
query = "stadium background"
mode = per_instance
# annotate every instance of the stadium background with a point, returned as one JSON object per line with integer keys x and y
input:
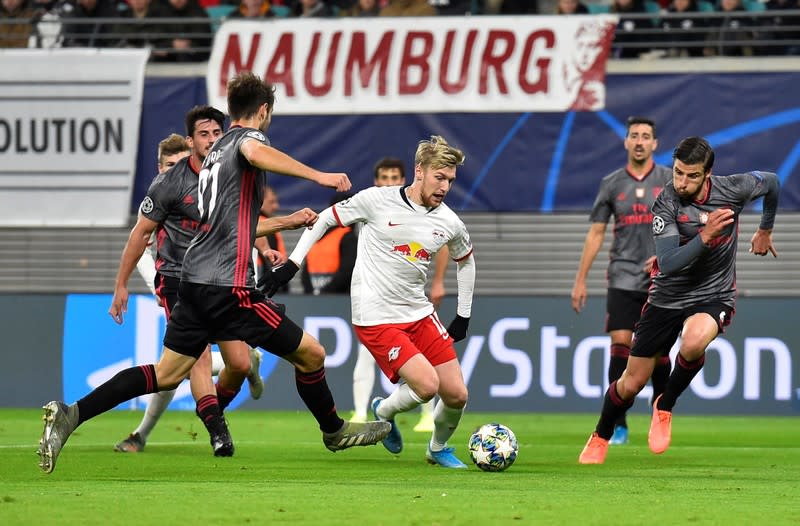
{"x": 528, "y": 182}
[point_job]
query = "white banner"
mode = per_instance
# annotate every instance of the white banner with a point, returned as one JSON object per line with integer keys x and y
{"x": 69, "y": 134}
{"x": 411, "y": 65}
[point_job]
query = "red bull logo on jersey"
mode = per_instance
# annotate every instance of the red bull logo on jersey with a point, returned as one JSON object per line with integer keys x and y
{"x": 412, "y": 251}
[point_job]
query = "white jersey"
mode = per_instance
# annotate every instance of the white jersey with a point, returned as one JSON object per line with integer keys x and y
{"x": 396, "y": 245}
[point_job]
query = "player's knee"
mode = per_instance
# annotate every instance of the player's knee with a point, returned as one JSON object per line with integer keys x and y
{"x": 456, "y": 399}
{"x": 168, "y": 377}
{"x": 692, "y": 347}
{"x": 239, "y": 363}
{"x": 629, "y": 386}
{"x": 426, "y": 388}
{"x": 168, "y": 381}
{"x": 309, "y": 357}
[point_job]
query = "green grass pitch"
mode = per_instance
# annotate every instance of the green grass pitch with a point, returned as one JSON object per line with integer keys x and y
{"x": 719, "y": 470}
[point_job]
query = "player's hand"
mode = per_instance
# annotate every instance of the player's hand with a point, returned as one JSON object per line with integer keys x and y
{"x": 339, "y": 181}
{"x": 648, "y": 265}
{"x": 578, "y": 297}
{"x": 761, "y": 243}
{"x": 277, "y": 278}
{"x": 458, "y": 328}
{"x": 119, "y": 304}
{"x": 273, "y": 257}
{"x": 305, "y": 217}
{"x": 437, "y": 293}
{"x": 717, "y": 222}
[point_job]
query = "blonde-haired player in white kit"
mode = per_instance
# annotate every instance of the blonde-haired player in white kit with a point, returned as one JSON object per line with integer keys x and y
{"x": 403, "y": 227}
{"x": 390, "y": 171}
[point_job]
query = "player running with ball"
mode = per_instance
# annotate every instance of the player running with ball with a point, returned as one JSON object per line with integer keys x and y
{"x": 403, "y": 228}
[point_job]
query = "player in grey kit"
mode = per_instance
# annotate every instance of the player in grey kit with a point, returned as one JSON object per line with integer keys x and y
{"x": 695, "y": 225}
{"x": 170, "y": 211}
{"x": 627, "y": 194}
{"x": 217, "y": 298}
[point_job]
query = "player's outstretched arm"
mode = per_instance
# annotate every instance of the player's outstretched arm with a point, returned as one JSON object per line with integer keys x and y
{"x": 281, "y": 275}
{"x": 271, "y": 159}
{"x": 301, "y": 218}
{"x": 134, "y": 248}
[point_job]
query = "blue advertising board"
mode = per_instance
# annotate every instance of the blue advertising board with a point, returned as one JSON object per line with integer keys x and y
{"x": 88, "y": 362}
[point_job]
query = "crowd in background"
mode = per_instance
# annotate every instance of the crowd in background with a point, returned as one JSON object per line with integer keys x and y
{"x": 736, "y": 29}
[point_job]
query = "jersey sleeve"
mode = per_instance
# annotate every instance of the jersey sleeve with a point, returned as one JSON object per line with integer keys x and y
{"x": 357, "y": 209}
{"x": 664, "y": 217}
{"x": 251, "y": 135}
{"x": 601, "y": 209}
{"x": 158, "y": 200}
{"x": 754, "y": 184}
{"x": 460, "y": 245}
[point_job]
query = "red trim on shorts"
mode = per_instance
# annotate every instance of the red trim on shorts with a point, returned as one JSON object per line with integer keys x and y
{"x": 261, "y": 310}
{"x": 465, "y": 257}
{"x": 161, "y": 296}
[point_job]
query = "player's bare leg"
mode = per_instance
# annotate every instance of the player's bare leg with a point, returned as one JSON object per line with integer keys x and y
{"x": 420, "y": 385}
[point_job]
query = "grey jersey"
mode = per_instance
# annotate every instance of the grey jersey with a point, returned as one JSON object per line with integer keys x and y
{"x": 629, "y": 200}
{"x": 230, "y": 192}
{"x": 171, "y": 201}
{"x": 712, "y": 276}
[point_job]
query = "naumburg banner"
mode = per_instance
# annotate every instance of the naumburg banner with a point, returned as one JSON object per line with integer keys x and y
{"x": 69, "y": 132}
{"x": 413, "y": 65}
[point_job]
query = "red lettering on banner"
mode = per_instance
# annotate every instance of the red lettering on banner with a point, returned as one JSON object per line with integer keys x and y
{"x": 542, "y": 64}
{"x": 282, "y": 58}
{"x": 421, "y": 61}
{"x": 388, "y": 66}
{"x": 233, "y": 58}
{"x": 308, "y": 77}
{"x": 459, "y": 86}
{"x": 490, "y": 60}
{"x": 356, "y": 58}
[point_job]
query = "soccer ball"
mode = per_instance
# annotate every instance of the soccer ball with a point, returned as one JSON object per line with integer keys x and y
{"x": 493, "y": 447}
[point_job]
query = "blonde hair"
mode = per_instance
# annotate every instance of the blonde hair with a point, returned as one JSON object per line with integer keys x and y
{"x": 173, "y": 144}
{"x": 437, "y": 153}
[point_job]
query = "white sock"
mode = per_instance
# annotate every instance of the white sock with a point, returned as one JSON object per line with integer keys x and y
{"x": 426, "y": 409}
{"x": 155, "y": 408}
{"x": 401, "y": 400}
{"x": 363, "y": 381}
{"x": 445, "y": 421}
{"x": 217, "y": 363}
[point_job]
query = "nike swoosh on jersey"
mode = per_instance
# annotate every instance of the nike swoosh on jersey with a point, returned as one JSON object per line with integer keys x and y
{"x": 394, "y": 224}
